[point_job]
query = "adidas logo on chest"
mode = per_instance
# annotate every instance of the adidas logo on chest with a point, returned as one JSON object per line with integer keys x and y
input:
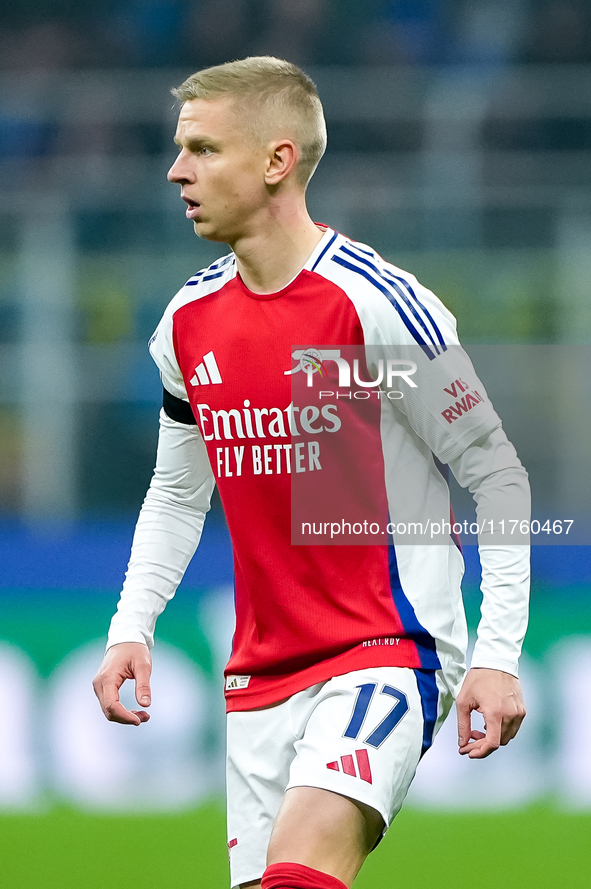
{"x": 207, "y": 373}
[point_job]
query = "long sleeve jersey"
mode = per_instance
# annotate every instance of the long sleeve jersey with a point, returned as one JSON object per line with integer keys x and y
{"x": 335, "y": 403}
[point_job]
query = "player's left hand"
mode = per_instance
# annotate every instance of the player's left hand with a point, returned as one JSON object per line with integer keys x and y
{"x": 498, "y": 697}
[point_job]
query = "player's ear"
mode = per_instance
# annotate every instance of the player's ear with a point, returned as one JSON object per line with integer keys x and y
{"x": 282, "y": 159}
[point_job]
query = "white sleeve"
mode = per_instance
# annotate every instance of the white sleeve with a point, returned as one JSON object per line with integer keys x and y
{"x": 442, "y": 397}
{"x": 162, "y": 350}
{"x": 491, "y": 470}
{"x": 167, "y": 532}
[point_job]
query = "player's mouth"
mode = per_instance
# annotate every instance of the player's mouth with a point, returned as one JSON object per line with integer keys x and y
{"x": 192, "y": 211}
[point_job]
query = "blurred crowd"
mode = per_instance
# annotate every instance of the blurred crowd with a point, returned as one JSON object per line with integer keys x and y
{"x": 66, "y": 34}
{"x": 71, "y": 71}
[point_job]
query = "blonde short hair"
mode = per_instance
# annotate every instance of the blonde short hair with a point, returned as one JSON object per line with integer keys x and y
{"x": 275, "y": 100}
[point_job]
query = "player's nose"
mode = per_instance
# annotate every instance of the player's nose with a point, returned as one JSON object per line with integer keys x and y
{"x": 180, "y": 171}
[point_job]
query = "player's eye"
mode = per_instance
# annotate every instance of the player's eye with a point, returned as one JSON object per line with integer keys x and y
{"x": 205, "y": 151}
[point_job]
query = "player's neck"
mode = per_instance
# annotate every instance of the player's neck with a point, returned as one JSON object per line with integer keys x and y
{"x": 271, "y": 257}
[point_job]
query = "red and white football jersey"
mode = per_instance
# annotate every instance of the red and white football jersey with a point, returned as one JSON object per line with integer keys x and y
{"x": 261, "y": 373}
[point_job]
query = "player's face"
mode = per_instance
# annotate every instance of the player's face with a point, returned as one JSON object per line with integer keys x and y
{"x": 220, "y": 171}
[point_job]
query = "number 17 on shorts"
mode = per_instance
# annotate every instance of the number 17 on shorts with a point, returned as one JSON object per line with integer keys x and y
{"x": 365, "y": 735}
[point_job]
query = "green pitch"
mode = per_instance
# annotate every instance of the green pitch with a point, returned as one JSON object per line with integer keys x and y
{"x": 64, "y": 849}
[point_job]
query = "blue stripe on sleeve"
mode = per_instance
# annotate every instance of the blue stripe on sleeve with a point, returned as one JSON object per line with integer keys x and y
{"x": 392, "y": 299}
{"x": 195, "y": 279}
{"x": 419, "y": 303}
{"x": 361, "y": 250}
{"x": 405, "y": 283}
{"x": 399, "y": 291}
{"x": 219, "y": 264}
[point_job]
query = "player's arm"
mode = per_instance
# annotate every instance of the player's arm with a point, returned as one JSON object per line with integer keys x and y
{"x": 468, "y": 436}
{"x": 166, "y": 536}
{"x": 491, "y": 470}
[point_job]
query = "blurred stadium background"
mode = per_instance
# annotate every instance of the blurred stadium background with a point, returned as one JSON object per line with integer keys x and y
{"x": 460, "y": 147}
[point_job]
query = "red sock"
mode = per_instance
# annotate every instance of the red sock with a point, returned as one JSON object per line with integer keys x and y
{"x": 287, "y": 875}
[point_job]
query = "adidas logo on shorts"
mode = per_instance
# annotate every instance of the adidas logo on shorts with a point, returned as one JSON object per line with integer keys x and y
{"x": 348, "y": 765}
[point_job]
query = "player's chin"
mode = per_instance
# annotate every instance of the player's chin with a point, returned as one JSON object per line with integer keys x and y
{"x": 208, "y": 232}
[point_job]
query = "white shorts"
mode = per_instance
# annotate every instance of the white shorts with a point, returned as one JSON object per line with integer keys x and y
{"x": 360, "y": 735}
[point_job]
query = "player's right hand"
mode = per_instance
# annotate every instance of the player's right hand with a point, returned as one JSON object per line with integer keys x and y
{"x": 127, "y": 660}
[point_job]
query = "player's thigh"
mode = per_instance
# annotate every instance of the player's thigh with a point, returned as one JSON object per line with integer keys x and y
{"x": 325, "y": 831}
